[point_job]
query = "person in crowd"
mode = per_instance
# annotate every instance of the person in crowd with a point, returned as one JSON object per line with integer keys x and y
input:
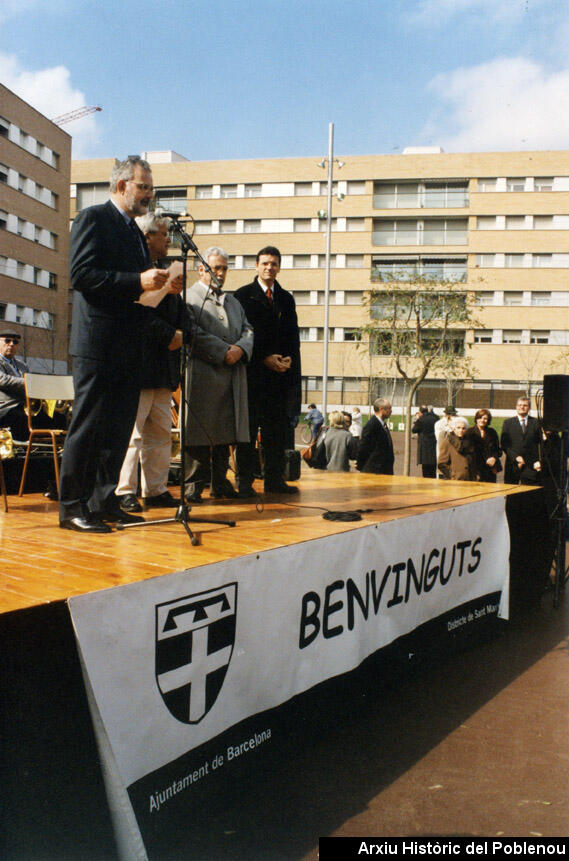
{"x": 340, "y": 445}
{"x": 111, "y": 270}
{"x": 12, "y": 389}
{"x": 375, "y": 453}
{"x": 151, "y": 439}
{"x": 457, "y": 456}
{"x": 356, "y": 426}
{"x": 216, "y": 381}
{"x": 444, "y": 426}
{"x": 273, "y": 375}
{"x": 347, "y": 419}
{"x": 487, "y": 445}
{"x": 424, "y": 427}
{"x": 315, "y": 418}
{"x": 520, "y": 442}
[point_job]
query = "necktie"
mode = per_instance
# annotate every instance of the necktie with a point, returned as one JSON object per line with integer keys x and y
{"x": 269, "y": 295}
{"x": 524, "y": 422}
{"x": 133, "y": 226}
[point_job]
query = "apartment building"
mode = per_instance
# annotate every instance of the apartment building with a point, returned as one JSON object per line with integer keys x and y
{"x": 495, "y": 223}
{"x": 35, "y": 169}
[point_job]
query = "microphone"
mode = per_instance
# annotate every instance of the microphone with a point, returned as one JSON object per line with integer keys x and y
{"x": 162, "y": 213}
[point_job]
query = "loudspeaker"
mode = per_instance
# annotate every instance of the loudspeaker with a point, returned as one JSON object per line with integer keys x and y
{"x": 556, "y": 402}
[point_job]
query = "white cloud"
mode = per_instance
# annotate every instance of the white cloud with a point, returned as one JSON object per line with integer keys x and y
{"x": 51, "y": 92}
{"x": 509, "y": 103}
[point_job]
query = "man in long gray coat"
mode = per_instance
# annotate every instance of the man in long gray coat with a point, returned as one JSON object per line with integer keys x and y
{"x": 216, "y": 382}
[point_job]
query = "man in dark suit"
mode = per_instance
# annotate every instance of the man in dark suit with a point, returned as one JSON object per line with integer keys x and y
{"x": 375, "y": 453}
{"x": 520, "y": 441}
{"x": 12, "y": 388}
{"x": 424, "y": 427}
{"x": 110, "y": 272}
{"x": 273, "y": 375}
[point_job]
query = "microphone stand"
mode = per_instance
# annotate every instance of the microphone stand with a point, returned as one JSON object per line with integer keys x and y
{"x": 182, "y": 515}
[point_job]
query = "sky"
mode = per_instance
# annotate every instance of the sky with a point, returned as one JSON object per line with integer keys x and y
{"x": 222, "y": 79}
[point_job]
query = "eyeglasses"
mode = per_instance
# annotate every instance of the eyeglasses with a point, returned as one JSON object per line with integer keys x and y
{"x": 142, "y": 186}
{"x": 11, "y": 340}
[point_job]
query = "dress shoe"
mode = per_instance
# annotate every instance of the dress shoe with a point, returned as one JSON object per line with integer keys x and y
{"x": 226, "y": 492}
{"x": 129, "y": 502}
{"x": 119, "y": 516}
{"x": 282, "y": 487}
{"x": 194, "y": 498}
{"x": 246, "y": 493}
{"x": 84, "y": 524}
{"x": 161, "y": 500}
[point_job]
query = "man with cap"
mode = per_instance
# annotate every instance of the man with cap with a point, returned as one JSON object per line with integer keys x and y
{"x": 12, "y": 390}
{"x": 444, "y": 426}
{"x": 424, "y": 427}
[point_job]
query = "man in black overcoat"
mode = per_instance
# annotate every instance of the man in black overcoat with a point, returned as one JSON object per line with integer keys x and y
{"x": 375, "y": 452}
{"x": 520, "y": 441}
{"x": 273, "y": 375}
{"x": 424, "y": 427}
{"x": 110, "y": 271}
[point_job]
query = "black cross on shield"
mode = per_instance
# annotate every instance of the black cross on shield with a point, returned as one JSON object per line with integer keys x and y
{"x": 194, "y": 643}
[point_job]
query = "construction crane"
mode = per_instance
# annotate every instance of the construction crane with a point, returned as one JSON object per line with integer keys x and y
{"x": 75, "y": 115}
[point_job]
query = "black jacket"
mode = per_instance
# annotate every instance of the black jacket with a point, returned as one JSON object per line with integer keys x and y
{"x": 375, "y": 453}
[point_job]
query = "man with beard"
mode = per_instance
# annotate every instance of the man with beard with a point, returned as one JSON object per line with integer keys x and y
{"x": 110, "y": 271}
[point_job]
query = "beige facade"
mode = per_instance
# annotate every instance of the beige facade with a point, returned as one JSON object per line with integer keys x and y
{"x": 35, "y": 168}
{"x": 497, "y": 223}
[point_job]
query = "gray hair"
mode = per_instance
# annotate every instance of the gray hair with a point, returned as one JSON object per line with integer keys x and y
{"x": 151, "y": 223}
{"x": 380, "y": 403}
{"x": 125, "y": 170}
{"x": 459, "y": 420}
{"x": 217, "y": 251}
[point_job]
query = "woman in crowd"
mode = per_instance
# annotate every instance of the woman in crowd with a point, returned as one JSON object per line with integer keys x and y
{"x": 341, "y": 446}
{"x": 487, "y": 446}
{"x": 457, "y": 454}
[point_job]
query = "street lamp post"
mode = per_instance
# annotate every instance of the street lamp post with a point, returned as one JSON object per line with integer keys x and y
{"x": 322, "y": 164}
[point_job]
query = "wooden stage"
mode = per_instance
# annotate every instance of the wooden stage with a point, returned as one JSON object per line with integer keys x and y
{"x": 43, "y": 563}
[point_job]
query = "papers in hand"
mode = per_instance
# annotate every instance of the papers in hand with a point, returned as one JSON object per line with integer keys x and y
{"x": 152, "y": 298}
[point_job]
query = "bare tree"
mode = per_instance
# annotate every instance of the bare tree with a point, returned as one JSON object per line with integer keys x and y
{"x": 419, "y": 327}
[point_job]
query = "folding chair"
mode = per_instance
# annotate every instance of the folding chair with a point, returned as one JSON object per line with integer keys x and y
{"x": 45, "y": 387}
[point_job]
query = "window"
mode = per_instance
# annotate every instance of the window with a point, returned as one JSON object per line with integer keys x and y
{"x": 513, "y": 297}
{"x": 322, "y": 261}
{"x": 542, "y": 261}
{"x": 52, "y": 281}
{"x": 512, "y": 336}
{"x": 352, "y": 335}
{"x": 91, "y": 194}
{"x": 445, "y": 194}
{"x": 171, "y": 199}
{"x": 227, "y": 226}
{"x": 302, "y": 225}
{"x": 485, "y": 261}
{"x": 231, "y": 261}
{"x": 302, "y": 297}
{"x": 396, "y": 195}
{"x": 482, "y": 336}
{"x": 3, "y": 173}
{"x": 353, "y": 224}
{"x": 301, "y": 261}
{"x": 543, "y": 222}
{"x": 227, "y": 191}
{"x": 324, "y": 188}
{"x": 203, "y": 226}
{"x": 249, "y": 261}
{"x": 356, "y": 186}
{"x": 514, "y": 261}
{"x": 252, "y": 225}
{"x": 400, "y": 232}
{"x": 543, "y": 183}
{"x": 253, "y": 189}
{"x": 486, "y": 222}
{"x": 516, "y": 184}
{"x": 204, "y": 192}
{"x": 353, "y": 297}
{"x": 303, "y": 189}
{"x": 445, "y": 231}
{"x": 485, "y": 297}
{"x": 304, "y": 333}
{"x": 541, "y": 298}
{"x": 354, "y": 261}
{"x": 515, "y": 222}
{"x": 537, "y": 336}
{"x": 4, "y": 128}
{"x": 3, "y": 220}
{"x": 486, "y": 185}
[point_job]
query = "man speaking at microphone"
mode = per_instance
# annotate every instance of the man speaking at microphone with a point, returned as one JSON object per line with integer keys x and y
{"x": 110, "y": 271}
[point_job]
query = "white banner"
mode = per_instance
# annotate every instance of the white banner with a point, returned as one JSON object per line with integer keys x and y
{"x": 176, "y": 660}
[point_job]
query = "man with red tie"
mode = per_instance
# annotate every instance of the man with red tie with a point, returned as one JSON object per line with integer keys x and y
{"x": 520, "y": 441}
{"x": 375, "y": 453}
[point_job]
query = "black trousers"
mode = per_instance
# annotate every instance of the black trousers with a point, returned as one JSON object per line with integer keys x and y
{"x": 267, "y": 413}
{"x": 210, "y": 464}
{"x": 104, "y": 411}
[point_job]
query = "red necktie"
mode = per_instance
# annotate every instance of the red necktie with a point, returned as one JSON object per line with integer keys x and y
{"x": 269, "y": 295}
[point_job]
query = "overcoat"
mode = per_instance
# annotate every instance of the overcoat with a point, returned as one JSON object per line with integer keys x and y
{"x": 216, "y": 392}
